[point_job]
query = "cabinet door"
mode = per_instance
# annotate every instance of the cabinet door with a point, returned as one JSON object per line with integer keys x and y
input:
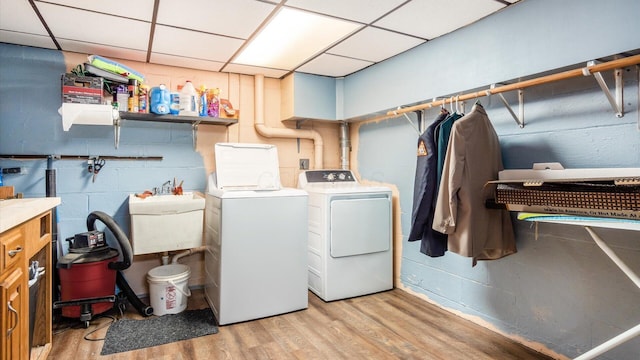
{"x": 12, "y": 290}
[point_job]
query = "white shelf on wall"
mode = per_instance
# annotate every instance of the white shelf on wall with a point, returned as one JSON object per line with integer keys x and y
{"x": 92, "y": 114}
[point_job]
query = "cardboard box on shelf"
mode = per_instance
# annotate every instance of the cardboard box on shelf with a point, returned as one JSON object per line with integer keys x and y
{"x": 82, "y": 89}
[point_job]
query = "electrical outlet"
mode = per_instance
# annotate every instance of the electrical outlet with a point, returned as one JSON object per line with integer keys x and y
{"x": 304, "y": 164}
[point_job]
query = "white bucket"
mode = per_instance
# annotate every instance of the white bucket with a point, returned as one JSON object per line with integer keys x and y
{"x": 168, "y": 289}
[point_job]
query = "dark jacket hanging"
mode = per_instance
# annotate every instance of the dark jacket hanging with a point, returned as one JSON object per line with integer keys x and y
{"x": 433, "y": 243}
{"x": 473, "y": 158}
{"x": 442, "y": 140}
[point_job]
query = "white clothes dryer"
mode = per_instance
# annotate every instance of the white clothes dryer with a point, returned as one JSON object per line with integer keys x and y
{"x": 350, "y": 250}
{"x": 255, "y": 235}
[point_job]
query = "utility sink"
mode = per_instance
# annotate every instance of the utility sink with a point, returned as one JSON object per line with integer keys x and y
{"x": 166, "y": 204}
{"x": 166, "y": 222}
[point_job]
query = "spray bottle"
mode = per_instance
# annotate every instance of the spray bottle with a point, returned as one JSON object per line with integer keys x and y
{"x": 202, "y": 104}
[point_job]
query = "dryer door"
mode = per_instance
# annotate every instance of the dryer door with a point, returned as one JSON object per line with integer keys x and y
{"x": 360, "y": 226}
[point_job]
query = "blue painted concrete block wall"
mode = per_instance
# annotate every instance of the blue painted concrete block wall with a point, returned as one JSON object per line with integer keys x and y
{"x": 559, "y": 290}
{"x": 30, "y": 95}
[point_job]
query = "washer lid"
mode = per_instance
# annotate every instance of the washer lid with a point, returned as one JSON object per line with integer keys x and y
{"x": 247, "y": 166}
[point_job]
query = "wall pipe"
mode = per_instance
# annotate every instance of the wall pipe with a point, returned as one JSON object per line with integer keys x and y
{"x": 187, "y": 252}
{"x": 345, "y": 146}
{"x": 265, "y": 131}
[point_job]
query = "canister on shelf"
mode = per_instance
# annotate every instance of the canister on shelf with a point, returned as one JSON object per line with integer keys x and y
{"x": 133, "y": 95}
{"x": 174, "y": 107}
{"x": 121, "y": 97}
{"x": 143, "y": 99}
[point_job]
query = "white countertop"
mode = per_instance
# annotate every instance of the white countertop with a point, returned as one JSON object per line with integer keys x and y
{"x": 16, "y": 211}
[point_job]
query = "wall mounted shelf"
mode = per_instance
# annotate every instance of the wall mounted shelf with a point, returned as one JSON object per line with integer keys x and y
{"x": 180, "y": 119}
{"x": 591, "y": 68}
{"x": 91, "y": 114}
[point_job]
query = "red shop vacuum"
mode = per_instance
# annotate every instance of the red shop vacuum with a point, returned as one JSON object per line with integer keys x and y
{"x": 89, "y": 272}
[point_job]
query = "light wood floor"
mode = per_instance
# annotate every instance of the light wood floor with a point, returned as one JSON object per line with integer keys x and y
{"x": 387, "y": 325}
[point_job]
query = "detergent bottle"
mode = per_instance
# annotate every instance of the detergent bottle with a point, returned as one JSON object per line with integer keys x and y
{"x": 160, "y": 100}
{"x": 202, "y": 104}
{"x": 188, "y": 100}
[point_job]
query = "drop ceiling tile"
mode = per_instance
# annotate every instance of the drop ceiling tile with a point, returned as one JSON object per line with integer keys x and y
{"x": 253, "y": 70}
{"x": 19, "y": 38}
{"x": 18, "y": 16}
{"x": 138, "y": 9}
{"x": 193, "y": 44}
{"x": 181, "y": 61}
{"x": 237, "y": 18}
{"x": 364, "y": 11}
{"x": 103, "y": 50}
{"x": 387, "y": 44}
{"x": 95, "y": 28}
{"x": 432, "y": 18}
{"x": 332, "y": 65}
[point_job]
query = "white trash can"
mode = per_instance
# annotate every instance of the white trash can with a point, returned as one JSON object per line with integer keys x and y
{"x": 168, "y": 288}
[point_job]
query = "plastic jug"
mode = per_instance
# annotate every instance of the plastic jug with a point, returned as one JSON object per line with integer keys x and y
{"x": 188, "y": 100}
{"x": 160, "y": 100}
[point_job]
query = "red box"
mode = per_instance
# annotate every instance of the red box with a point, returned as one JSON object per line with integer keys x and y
{"x": 82, "y": 89}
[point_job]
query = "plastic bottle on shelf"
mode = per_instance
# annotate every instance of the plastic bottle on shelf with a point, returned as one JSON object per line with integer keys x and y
{"x": 202, "y": 103}
{"x": 188, "y": 100}
{"x": 159, "y": 100}
{"x": 174, "y": 101}
{"x": 143, "y": 96}
{"x": 133, "y": 95}
{"x": 122, "y": 97}
{"x": 213, "y": 97}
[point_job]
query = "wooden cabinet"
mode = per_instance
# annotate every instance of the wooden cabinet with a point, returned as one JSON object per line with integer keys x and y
{"x": 20, "y": 245}
{"x": 12, "y": 294}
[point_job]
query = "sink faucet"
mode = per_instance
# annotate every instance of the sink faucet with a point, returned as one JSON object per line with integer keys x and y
{"x": 166, "y": 188}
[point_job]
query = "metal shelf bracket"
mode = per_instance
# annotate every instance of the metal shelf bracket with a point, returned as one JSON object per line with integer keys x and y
{"x": 617, "y": 103}
{"x": 194, "y": 134}
{"x": 116, "y": 129}
{"x": 520, "y": 117}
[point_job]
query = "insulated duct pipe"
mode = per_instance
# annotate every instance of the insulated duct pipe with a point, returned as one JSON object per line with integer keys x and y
{"x": 345, "y": 146}
{"x": 265, "y": 131}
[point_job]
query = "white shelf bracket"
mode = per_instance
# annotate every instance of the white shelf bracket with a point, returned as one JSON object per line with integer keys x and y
{"x": 617, "y": 103}
{"x": 520, "y": 117}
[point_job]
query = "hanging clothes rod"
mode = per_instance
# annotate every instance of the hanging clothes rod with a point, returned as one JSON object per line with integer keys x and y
{"x": 589, "y": 70}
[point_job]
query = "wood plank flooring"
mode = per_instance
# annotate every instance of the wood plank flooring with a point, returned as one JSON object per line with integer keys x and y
{"x": 387, "y": 325}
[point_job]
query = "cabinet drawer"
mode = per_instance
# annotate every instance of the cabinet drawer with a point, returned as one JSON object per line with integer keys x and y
{"x": 12, "y": 245}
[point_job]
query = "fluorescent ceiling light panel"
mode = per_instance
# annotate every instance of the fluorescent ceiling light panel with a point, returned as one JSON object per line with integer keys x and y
{"x": 292, "y": 37}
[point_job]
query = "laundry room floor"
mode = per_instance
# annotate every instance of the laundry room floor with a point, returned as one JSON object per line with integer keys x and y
{"x": 387, "y": 325}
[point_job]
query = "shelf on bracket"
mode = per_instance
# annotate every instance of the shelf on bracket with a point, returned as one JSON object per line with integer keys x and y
{"x": 179, "y": 119}
{"x": 93, "y": 114}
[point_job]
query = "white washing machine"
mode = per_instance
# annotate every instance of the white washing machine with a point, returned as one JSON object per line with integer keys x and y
{"x": 256, "y": 237}
{"x": 350, "y": 235}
